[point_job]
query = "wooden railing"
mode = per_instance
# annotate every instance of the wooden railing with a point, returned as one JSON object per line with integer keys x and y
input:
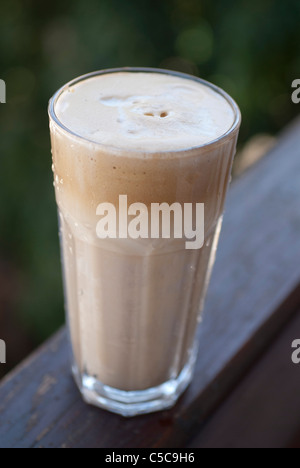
{"x": 246, "y": 389}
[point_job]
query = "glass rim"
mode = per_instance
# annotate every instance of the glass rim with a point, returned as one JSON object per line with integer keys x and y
{"x": 234, "y": 127}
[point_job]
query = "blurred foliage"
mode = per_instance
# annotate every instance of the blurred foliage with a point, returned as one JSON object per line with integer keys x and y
{"x": 250, "y": 48}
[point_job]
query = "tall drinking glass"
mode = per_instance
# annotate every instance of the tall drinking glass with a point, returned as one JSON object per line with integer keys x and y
{"x": 142, "y": 161}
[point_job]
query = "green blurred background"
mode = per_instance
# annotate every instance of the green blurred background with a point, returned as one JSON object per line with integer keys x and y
{"x": 250, "y": 48}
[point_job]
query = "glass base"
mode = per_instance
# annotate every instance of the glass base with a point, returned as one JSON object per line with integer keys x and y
{"x": 134, "y": 403}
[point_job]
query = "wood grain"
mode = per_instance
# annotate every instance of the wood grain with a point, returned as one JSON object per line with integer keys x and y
{"x": 254, "y": 292}
{"x": 264, "y": 410}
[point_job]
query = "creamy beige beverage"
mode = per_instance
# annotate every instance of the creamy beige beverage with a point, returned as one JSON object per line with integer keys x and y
{"x": 134, "y": 304}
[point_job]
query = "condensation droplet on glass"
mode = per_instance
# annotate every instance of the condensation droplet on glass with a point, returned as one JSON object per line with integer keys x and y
{"x": 71, "y": 250}
{"x": 53, "y": 168}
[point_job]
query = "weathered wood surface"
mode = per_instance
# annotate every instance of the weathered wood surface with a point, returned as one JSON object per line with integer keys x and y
{"x": 264, "y": 410}
{"x": 254, "y": 292}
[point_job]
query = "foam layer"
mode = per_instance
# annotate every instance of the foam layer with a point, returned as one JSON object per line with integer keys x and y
{"x": 148, "y": 112}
